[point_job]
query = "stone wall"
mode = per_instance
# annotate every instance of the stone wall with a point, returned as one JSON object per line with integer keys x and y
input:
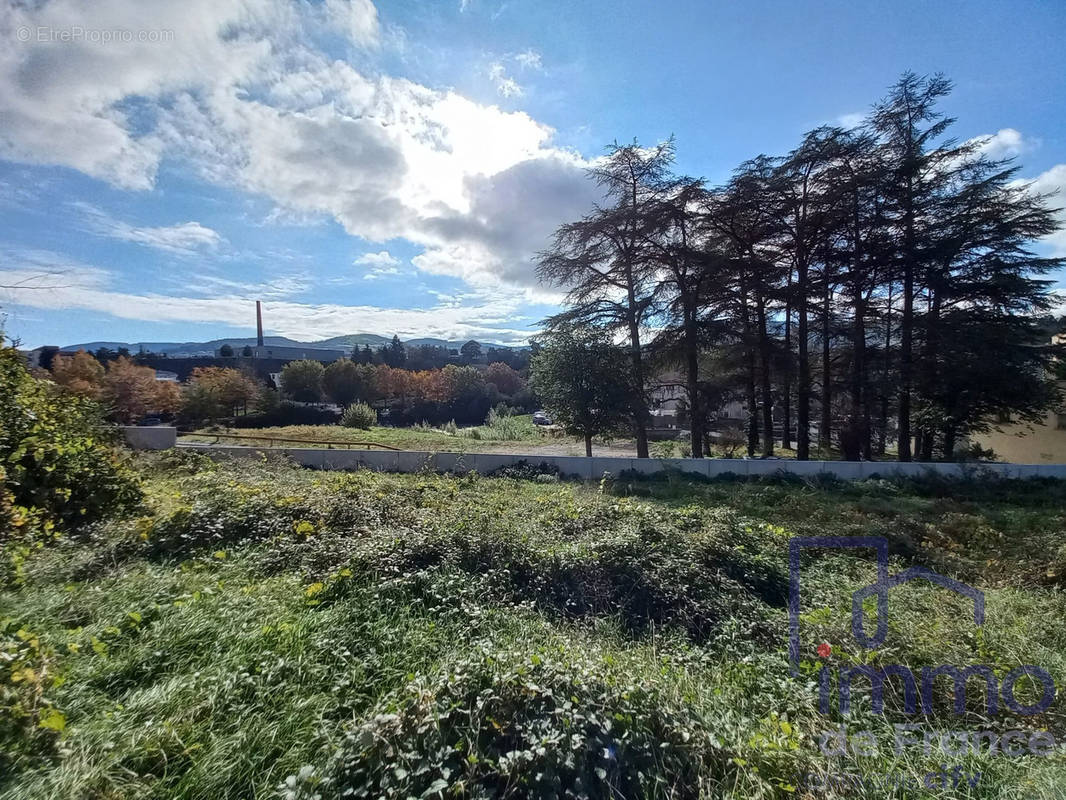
{"x": 593, "y": 468}
{"x": 155, "y": 437}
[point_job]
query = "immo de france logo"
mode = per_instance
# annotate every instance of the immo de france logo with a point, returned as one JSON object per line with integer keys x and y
{"x": 917, "y": 686}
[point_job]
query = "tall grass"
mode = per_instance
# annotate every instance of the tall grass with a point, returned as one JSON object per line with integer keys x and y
{"x": 266, "y": 631}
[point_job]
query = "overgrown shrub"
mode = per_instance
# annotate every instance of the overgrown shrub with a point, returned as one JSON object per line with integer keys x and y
{"x": 57, "y": 464}
{"x": 359, "y": 415}
{"x": 511, "y": 725}
{"x": 29, "y": 721}
{"x": 524, "y": 470}
{"x": 286, "y": 414}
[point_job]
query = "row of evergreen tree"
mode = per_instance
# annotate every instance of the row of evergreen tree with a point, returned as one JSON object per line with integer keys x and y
{"x": 880, "y": 277}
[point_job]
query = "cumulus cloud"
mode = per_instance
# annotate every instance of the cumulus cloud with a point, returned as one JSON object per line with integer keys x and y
{"x": 1006, "y": 143}
{"x": 186, "y": 238}
{"x": 381, "y": 259}
{"x": 242, "y": 94}
{"x": 357, "y": 18}
{"x": 1053, "y": 183}
{"x": 381, "y": 264}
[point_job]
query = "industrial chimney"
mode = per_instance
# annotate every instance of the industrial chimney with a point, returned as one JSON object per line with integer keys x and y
{"x": 258, "y": 323}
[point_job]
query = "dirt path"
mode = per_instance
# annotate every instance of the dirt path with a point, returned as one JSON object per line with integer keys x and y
{"x": 561, "y": 447}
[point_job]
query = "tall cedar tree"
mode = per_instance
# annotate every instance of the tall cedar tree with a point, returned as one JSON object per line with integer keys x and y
{"x": 688, "y": 267}
{"x": 604, "y": 260}
{"x": 742, "y": 214}
{"x": 917, "y": 169}
{"x": 805, "y": 211}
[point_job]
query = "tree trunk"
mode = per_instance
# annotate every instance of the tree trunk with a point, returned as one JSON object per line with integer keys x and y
{"x": 753, "y": 416}
{"x": 692, "y": 367}
{"x": 859, "y": 413}
{"x": 749, "y": 363}
{"x": 588, "y": 445}
{"x": 859, "y": 416}
{"x": 906, "y": 332}
{"x": 930, "y": 365}
{"x": 803, "y": 389}
{"x": 882, "y": 433}
{"x": 825, "y": 433}
{"x": 950, "y": 434}
{"x": 764, "y": 369}
{"x": 786, "y": 388}
{"x": 928, "y": 441}
{"x": 640, "y": 407}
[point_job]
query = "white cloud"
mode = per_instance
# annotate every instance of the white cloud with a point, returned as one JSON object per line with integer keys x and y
{"x": 505, "y": 85}
{"x": 381, "y": 259}
{"x": 276, "y": 288}
{"x": 529, "y": 59}
{"x": 241, "y": 94}
{"x": 85, "y": 288}
{"x": 381, "y": 265}
{"x": 851, "y": 120}
{"x": 357, "y": 18}
{"x": 1053, "y": 183}
{"x": 1006, "y": 143}
{"x": 187, "y": 238}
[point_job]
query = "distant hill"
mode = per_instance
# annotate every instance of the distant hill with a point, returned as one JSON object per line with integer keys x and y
{"x": 350, "y": 340}
{"x": 346, "y": 342}
{"x": 185, "y": 348}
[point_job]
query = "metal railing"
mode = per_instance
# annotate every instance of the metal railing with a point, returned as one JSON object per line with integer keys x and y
{"x": 329, "y": 443}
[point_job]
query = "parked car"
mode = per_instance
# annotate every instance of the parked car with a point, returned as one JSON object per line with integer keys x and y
{"x": 540, "y": 418}
{"x": 149, "y": 421}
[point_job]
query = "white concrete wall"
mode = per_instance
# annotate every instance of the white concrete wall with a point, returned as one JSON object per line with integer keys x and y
{"x": 155, "y": 437}
{"x": 593, "y": 468}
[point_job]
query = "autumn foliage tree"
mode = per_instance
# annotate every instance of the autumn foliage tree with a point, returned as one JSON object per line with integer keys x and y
{"x": 129, "y": 391}
{"x": 506, "y": 380}
{"x": 79, "y": 373}
{"x": 231, "y": 390}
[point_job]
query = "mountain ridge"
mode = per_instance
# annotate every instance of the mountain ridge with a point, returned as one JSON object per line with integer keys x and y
{"x": 344, "y": 342}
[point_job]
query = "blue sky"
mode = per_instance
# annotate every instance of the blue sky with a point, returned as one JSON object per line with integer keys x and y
{"x": 392, "y": 167}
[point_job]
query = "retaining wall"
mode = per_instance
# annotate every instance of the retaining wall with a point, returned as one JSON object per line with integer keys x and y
{"x": 155, "y": 437}
{"x": 593, "y": 468}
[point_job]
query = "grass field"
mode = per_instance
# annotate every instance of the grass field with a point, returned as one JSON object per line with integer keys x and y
{"x": 264, "y": 631}
{"x": 517, "y": 434}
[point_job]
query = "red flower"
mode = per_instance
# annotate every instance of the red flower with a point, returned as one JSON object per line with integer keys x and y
{"x": 824, "y": 650}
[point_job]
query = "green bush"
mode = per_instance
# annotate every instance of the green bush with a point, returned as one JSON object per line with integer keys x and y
{"x": 58, "y": 468}
{"x": 359, "y": 415}
{"x": 511, "y": 725}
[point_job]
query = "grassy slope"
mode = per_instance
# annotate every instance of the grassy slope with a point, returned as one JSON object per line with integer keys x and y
{"x": 521, "y": 430}
{"x": 264, "y": 629}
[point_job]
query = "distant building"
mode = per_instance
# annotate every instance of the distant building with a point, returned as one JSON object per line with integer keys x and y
{"x": 279, "y": 353}
{"x": 666, "y": 393}
{"x": 166, "y": 375}
{"x": 42, "y": 356}
{"x": 292, "y": 353}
